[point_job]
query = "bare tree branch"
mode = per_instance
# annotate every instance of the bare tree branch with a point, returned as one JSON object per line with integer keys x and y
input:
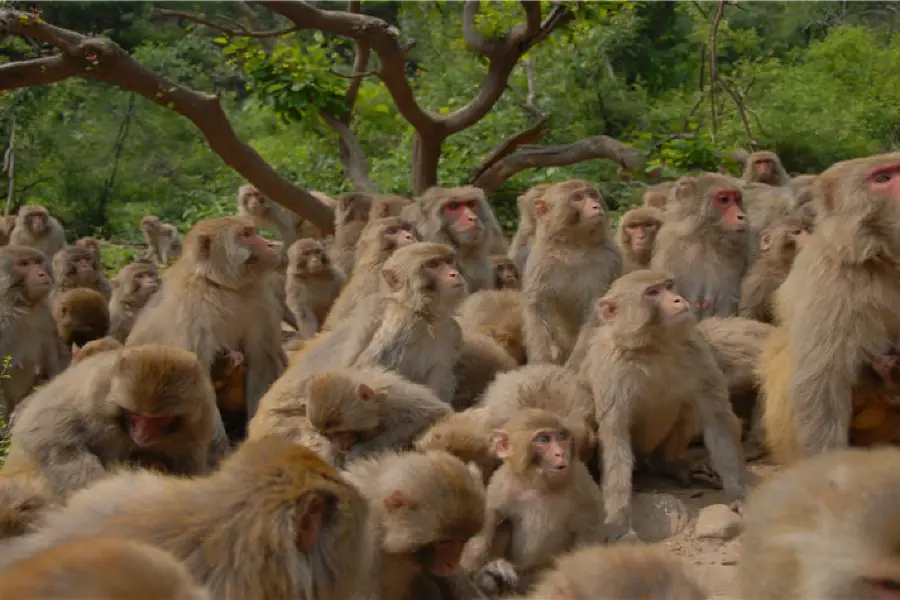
{"x": 353, "y": 157}
{"x": 532, "y": 135}
{"x": 103, "y": 60}
{"x": 471, "y": 36}
{"x": 177, "y": 14}
{"x": 360, "y": 62}
{"x": 529, "y": 79}
{"x": 716, "y": 80}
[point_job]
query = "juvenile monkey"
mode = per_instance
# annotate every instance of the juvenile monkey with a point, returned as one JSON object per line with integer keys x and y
{"x": 75, "y": 267}
{"x": 7, "y": 223}
{"x": 465, "y": 436}
{"x": 637, "y": 235}
{"x": 506, "y": 274}
{"x": 497, "y": 314}
{"x": 265, "y": 214}
{"x": 350, "y": 218}
{"x": 81, "y": 316}
{"x": 541, "y": 503}
{"x": 408, "y": 327}
{"x": 424, "y": 507}
{"x": 104, "y": 344}
{"x": 837, "y": 309}
{"x": 653, "y": 376}
{"x": 765, "y": 167}
{"x": 35, "y": 227}
{"x": 89, "y": 243}
{"x": 152, "y": 401}
{"x": 163, "y": 239}
{"x": 572, "y": 239}
{"x": 799, "y": 524}
{"x": 101, "y": 569}
{"x": 657, "y": 196}
{"x": 218, "y": 295}
{"x": 778, "y": 247}
{"x": 273, "y": 522}
{"x": 378, "y": 240}
{"x": 705, "y": 243}
{"x": 313, "y": 284}
{"x": 132, "y": 288}
{"x": 520, "y": 246}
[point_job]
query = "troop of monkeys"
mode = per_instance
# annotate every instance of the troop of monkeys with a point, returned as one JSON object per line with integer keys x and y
{"x": 452, "y": 416}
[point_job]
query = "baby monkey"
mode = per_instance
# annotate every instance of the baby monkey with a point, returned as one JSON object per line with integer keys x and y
{"x": 506, "y": 273}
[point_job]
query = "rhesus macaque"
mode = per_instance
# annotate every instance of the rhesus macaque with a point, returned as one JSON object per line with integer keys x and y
{"x": 461, "y": 218}
{"x": 736, "y": 343}
{"x": 24, "y": 498}
{"x": 542, "y": 502}
{"x": 506, "y": 273}
{"x": 637, "y": 236}
{"x": 75, "y": 267}
{"x": 28, "y": 342}
{"x": 229, "y": 374}
{"x": 572, "y": 239}
{"x": 218, "y": 296}
{"x": 657, "y": 196}
{"x": 366, "y": 411}
{"x": 313, "y": 284}
{"x": 278, "y": 282}
{"x": 802, "y": 188}
{"x": 778, "y": 247}
{"x": 350, "y": 218}
{"x": 132, "y": 288}
{"x": 104, "y": 344}
{"x": 425, "y": 507}
{"x": 408, "y": 327}
{"x": 800, "y": 523}
{"x": 101, "y": 569}
{"x": 273, "y": 522}
{"x": 35, "y": 227}
{"x": 267, "y": 214}
{"x": 765, "y": 167}
{"x": 618, "y": 572}
{"x": 387, "y": 206}
{"x": 378, "y": 240}
{"x": 653, "y": 377}
{"x": 481, "y": 358}
{"x": 81, "y": 316}
{"x": 7, "y": 224}
{"x": 163, "y": 239}
{"x": 465, "y": 436}
{"x": 766, "y": 206}
{"x": 89, "y": 243}
{"x": 837, "y": 309}
{"x": 520, "y": 246}
{"x": 497, "y": 314}
{"x": 705, "y": 243}
{"x": 148, "y": 401}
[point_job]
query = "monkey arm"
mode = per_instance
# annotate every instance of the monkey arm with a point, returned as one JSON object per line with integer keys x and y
{"x": 266, "y": 361}
{"x": 491, "y": 543}
{"x": 616, "y": 456}
{"x": 539, "y": 343}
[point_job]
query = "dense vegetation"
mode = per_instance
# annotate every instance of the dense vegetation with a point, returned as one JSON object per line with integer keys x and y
{"x": 815, "y": 81}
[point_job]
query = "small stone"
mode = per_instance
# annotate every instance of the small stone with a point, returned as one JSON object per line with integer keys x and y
{"x": 719, "y": 522}
{"x": 656, "y": 517}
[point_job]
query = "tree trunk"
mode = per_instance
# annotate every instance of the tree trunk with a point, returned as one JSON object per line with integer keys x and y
{"x": 426, "y": 157}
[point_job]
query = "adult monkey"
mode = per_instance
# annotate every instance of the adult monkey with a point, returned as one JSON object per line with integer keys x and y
{"x": 267, "y": 214}
{"x": 35, "y": 227}
{"x": 838, "y": 308}
{"x": 765, "y": 167}
{"x": 218, "y": 296}
{"x": 163, "y": 239}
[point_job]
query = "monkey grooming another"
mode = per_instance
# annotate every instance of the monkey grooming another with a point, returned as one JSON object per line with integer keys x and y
{"x": 163, "y": 239}
{"x": 572, "y": 264}
{"x": 637, "y": 237}
{"x": 36, "y": 228}
{"x": 778, "y": 247}
{"x": 132, "y": 288}
{"x": 75, "y": 267}
{"x": 653, "y": 376}
{"x": 765, "y": 167}
{"x": 520, "y": 246}
{"x": 312, "y": 285}
{"x": 274, "y": 522}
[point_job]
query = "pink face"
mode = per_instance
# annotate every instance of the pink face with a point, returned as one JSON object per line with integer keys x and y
{"x": 445, "y": 557}
{"x": 147, "y": 430}
{"x": 462, "y": 215}
{"x": 554, "y": 446}
{"x": 764, "y": 166}
{"x": 640, "y": 234}
{"x": 729, "y": 204}
{"x": 885, "y": 181}
{"x": 259, "y": 248}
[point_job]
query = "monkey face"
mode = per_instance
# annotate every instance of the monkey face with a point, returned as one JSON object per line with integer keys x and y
{"x": 552, "y": 450}
{"x": 764, "y": 167}
{"x": 586, "y": 202}
{"x": 397, "y": 236}
{"x": 728, "y": 204}
{"x": 37, "y": 222}
{"x": 248, "y": 248}
{"x": 30, "y": 268}
{"x": 461, "y": 218}
{"x": 147, "y": 283}
{"x": 506, "y": 274}
{"x": 446, "y": 277}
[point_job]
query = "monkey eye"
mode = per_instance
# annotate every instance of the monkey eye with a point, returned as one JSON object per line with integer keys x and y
{"x": 670, "y": 284}
{"x": 563, "y": 435}
{"x": 652, "y": 291}
{"x": 883, "y": 176}
{"x": 391, "y": 230}
{"x": 434, "y": 263}
{"x": 453, "y": 206}
{"x": 542, "y": 438}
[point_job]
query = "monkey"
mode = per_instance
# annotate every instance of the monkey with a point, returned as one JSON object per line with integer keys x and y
{"x": 465, "y": 436}
{"x": 424, "y": 508}
{"x": 497, "y": 314}
{"x": 163, "y": 239}
{"x": 313, "y": 284}
{"x": 103, "y": 411}
{"x": 278, "y": 283}
{"x": 37, "y": 228}
{"x": 217, "y": 295}
{"x": 736, "y": 343}
{"x": 637, "y": 235}
{"x": 798, "y": 521}
{"x": 104, "y": 344}
{"x": 229, "y": 373}
{"x": 657, "y": 196}
{"x": 132, "y": 288}
{"x": 366, "y": 411}
{"x": 506, "y": 273}
{"x": 778, "y": 247}
{"x": 266, "y": 214}
{"x": 705, "y": 243}
{"x": 378, "y": 240}
{"x": 387, "y": 206}
{"x": 481, "y": 359}
{"x": 350, "y": 219}
{"x": 802, "y": 188}
{"x": 572, "y": 239}
{"x": 766, "y": 206}
{"x": 29, "y": 346}
{"x": 408, "y": 327}
{"x": 523, "y": 239}
{"x": 836, "y": 309}
{"x": 75, "y": 267}
{"x": 24, "y": 498}
{"x": 540, "y": 503}
{"x": 273, "y": 522}
{"x": 101, "y": 569}
{"x": 81, "y": 316}
{"x": 618, "y": 572}
{"x": 89, "y": 243}
{"x": 653, "y": 377}
{"x": 461, "y": 218}
{"x": 765, "y": 167}
{"x": 7, "y": 224}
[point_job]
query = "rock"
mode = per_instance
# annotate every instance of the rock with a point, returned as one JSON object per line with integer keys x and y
{"x": 719, "y": 522}
{"x": 656, "y": 517}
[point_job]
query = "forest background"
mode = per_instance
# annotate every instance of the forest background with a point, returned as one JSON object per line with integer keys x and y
{"x": 682, "y": 84}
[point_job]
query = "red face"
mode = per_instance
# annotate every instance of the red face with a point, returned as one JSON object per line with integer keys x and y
{"x": 399, "y": 236}
{"x": 147, "y": 430}
{"x": 554, "y": 448}
{"x": 885, "y": 181}
{"x": 729, "y": 204}
{"x": 34, "y": 273}
{"x": 640, "y": 234}
{"x": 462, "y": 215}
{"x": 764, "y": 166}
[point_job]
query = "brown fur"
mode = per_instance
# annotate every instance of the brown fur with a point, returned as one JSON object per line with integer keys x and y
{"x": 387, "y": 206}
{"x": 736, "y": 343}
{"x": 81, "y": 316}
{"x": 7, "y": 224}
{"x": 497, "y": 314}
{"x": 506, "y": 273}
{"x": 778, "y": 176}
{"x": 313, "y": 284}
{"x": 163, "y": 240}
{"x": 89, "y": 243}
{"x": 520, "y": 246}
{"x": 132, "y": 288}
{"x": 657, "y": 196}
{"x": 104, "y": 344}
{"x": 266, "y": 214}
{"x": 649, "y": 219}
{"x": 779, "y": 245}
{"x": 75, "y": 267}
{"x": 481, "y": 359}
{"x": 558, "y": 297}
{"x": 49, "y": 240}
{"x": 24, "y": 497}
{"x": 465, "y": 436}
{"x": 351, "y": 217}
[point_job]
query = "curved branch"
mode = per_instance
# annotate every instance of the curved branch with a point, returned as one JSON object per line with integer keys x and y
{"x": 177, "y": 14}
{"x": 532, "y": 135}
{"x": 471, "y": 36}
{"x": 353, "y": 157}
{"x": 103, "y": 60}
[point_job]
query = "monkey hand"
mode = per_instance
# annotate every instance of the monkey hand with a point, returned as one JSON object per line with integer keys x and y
{"x": 497, "y": 577}
{"x": 555, "y": 352}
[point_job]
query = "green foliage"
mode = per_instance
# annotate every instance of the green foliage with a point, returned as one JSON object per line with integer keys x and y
{"x": 114, "y": 257}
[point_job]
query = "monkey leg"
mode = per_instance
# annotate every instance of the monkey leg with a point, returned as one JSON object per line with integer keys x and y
{"x": 774, "y": 371}
{"x": 671, "y": 459}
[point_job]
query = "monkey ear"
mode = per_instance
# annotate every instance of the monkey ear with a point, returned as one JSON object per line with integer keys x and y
{"x": 364, "y": 392}
{"x": 541, "y": 207}
{"x": 765, "y": 241}
{"x": 500, "y": 444}
{"x": 391, "y": 277}
{"x": 397, "y": 500}
{"x": 308, "y": 516}
{"x": 204, "y": 245}
{"x": 607, "y": 309}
